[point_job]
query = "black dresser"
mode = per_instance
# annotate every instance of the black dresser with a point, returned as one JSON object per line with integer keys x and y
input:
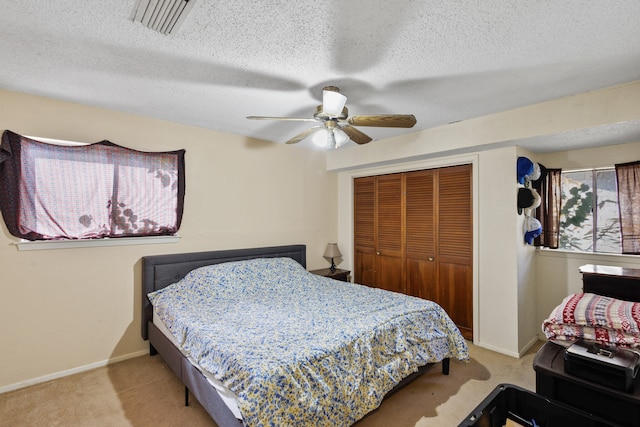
{"x": 553, "y": 382}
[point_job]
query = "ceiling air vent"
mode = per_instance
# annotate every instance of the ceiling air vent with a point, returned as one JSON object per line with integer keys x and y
{"x": 164, "y": 16}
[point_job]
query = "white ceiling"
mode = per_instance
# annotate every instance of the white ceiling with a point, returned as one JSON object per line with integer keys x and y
{"x": 443, "y": 61}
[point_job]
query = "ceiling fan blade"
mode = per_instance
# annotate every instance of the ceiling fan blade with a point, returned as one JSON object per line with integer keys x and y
{"x": 384, "y": 120}
{"x": 299, "y": 137}
{"x": 290, "y": 119}
{"x": 355, "y": 135}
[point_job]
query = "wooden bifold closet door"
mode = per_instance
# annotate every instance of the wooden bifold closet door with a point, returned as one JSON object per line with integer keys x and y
{"x": 413, "y": 234}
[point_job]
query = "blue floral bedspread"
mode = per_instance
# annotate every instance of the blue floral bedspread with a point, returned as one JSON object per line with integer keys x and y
{"x": 300, "y": 349}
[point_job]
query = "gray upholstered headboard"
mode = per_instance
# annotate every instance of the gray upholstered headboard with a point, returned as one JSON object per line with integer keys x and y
{"x": 159, "y": 271}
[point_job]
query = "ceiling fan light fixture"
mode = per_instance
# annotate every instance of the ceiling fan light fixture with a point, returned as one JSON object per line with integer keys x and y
{"x": 330, "y": 138}
{"x": 321, "y": 138}
{"x": 333, "y": 102}
{"x": 336, "y": 127}
{"x": 341, "y": 137}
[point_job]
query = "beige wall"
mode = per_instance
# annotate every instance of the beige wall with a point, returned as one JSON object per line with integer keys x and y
{"x": 64, "y": 310}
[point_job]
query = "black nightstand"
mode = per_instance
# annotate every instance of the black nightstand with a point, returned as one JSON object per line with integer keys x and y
{"x": 339, "y": 274}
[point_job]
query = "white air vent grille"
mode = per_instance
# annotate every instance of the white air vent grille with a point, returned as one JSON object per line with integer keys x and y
{"x": 163, "y": 16}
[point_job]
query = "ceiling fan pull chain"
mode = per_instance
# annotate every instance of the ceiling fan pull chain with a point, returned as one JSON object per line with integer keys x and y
{"x": 332, "y": 139}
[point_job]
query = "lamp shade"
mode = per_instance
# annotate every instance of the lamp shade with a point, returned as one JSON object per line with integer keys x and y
{"x": 333, "y": 102}
{"x": 330, "y": 138}
{"x": 341, "y": 137}
{"x": 332, "y": 251}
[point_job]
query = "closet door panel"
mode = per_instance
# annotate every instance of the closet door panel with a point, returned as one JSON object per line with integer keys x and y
{"x": 390, "y": 273}
{"x": 389, "y": 232}
{"x": 454, "y": 212}
{"x": 364, "y": 271}
{"x": 421, "y": 279}
{"x": 389, "y": 213}
{"x": 364, "y": 231}
{"x": 455, "y": 295}
{"x": 455, "y": 246}
{"x": 420, "y": 234}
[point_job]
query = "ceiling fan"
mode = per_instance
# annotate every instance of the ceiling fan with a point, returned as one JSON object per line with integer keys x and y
{"x": 336, "y": 127}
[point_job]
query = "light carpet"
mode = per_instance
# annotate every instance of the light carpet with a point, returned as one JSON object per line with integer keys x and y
{"x": 144, "y": 392}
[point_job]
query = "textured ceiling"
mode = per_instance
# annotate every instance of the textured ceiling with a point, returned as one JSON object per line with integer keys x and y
{"x": 443, "y": 61}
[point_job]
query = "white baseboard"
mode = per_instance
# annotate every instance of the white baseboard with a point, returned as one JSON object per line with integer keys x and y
{"x": 499, "y": 350}
{"x": 517, "y": 355}
{"x": 56, "y": 375}
{"x": 530, "y": 344}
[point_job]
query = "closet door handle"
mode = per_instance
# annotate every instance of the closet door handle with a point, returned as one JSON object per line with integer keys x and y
{"x": 377, "y": 253}
{"x": 430, "y": 258}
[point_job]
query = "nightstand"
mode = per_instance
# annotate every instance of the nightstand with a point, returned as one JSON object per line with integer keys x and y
{"x": 339, "y": 274}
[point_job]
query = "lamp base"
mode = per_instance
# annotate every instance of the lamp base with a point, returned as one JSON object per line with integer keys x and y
{"x": 333, "y": 266}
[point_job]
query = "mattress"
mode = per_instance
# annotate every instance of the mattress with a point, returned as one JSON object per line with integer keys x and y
{"x": 228, "y": 397}
{"x": 305, "y": 349}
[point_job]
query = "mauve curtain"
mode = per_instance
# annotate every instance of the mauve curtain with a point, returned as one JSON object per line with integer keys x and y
{"x": 548, "y": 213}
{"x": 628, "y": 177}
{"x": 50, "y": 192}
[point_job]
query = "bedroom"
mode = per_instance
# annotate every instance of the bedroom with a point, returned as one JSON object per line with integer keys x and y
{"x": 80, "y": 306}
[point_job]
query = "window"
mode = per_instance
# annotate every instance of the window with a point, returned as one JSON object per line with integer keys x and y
{"x": 54, "y": 192}
{"x": 589, "y": 219}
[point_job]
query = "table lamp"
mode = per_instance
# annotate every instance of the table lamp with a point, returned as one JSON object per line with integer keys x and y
{"x": 332, "y": 252}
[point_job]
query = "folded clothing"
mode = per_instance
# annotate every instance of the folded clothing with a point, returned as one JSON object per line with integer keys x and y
{"x": 596, "y": 318}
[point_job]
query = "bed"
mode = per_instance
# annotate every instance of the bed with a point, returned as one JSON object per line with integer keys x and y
{"x": 222, "y": 370}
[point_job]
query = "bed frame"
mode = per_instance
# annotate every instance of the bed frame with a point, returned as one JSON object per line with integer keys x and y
{"x": 160, "y": 271}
